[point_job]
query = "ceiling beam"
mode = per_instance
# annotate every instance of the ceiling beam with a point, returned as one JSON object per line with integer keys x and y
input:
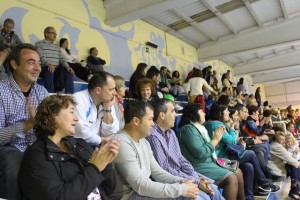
{"x": 277, "y": 75}
{"x": 220, "y": 16}
{"x": 280, "y": 32}
{"x": 171, "y": 31}
{"x": 253, "y": 40}
{"x": 270, "y": 64}
{"x": 255, "y": 50}
{"x": 119, "y": 12}
{"x": 252, "y": 12}
{"x": 258, "y": 55}
{"x": 194, "y": 25}
{"x": 284, "y": 11}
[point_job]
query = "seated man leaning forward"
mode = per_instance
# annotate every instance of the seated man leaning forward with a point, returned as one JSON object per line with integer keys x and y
{"x": 95, "y": 109}
{"x": 167, "y": 152}
{"x": 135, "y": 162}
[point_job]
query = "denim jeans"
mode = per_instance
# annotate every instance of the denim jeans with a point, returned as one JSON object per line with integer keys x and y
{"x": 293, "y": 172}
{"x": 49, "y": 79}
{"x": 202, "y": 196}
{"x": 250, "y": 166}
{"x": 262, "y": 152}
{"x": 10, "y": 161}
{"x": 248, "y": 173}
{"x": 250, "y": 157}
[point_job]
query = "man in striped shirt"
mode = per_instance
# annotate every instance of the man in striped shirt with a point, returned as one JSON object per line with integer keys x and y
{"x": 19, "y": 97}
{"x": 167, "y": 152}
{"x": 54, "y": 64}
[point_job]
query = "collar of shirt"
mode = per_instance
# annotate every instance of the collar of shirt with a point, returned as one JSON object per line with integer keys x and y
{"x": 16, "y": 87}
{"x": 160, "y": 131}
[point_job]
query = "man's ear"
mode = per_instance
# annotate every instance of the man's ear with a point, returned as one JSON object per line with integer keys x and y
{"x": 98, "y": 90}
{"x": 136, "y": 121}
{"x": 162, "y": 115}
{"x": 13, "y": 64}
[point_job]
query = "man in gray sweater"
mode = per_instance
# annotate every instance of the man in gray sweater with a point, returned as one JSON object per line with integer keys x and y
{"x": 136, "y": 163}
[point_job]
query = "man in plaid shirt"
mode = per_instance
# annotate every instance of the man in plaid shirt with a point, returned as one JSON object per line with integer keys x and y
{"x": 19, "y": 97}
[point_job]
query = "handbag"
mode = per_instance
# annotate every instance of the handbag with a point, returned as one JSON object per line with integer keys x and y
{"x": 235, "y": 149}
{"x": 225, "y": 163}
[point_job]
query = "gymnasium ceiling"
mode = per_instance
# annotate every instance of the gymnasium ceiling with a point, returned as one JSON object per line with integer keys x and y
{"x": 260, "y": 38}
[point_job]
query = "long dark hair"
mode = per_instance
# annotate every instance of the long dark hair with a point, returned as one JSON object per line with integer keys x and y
{"x": 217, "y": 112}
{"x": 174, "y": 74}
{"x": 140, "y": 69}
{"x": 190, "y": 114}
{"x": 61, "y": 41}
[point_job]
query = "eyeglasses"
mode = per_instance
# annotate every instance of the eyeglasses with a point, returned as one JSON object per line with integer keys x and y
{"x": 54, "y": 33}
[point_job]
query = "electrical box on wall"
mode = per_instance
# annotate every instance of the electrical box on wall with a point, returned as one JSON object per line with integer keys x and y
{"x": 151, "y": 45}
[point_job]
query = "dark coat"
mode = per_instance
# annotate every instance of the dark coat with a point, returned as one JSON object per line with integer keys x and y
{"x": 48, "y": 173}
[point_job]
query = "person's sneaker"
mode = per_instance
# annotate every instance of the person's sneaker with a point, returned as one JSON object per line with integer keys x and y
{"x": 270, "y": 186}
{"x": 264, "y": 188}
{"x": 274, "y": 177}
{"x": 258, "y": 192}
{"x": 294, "y": 196}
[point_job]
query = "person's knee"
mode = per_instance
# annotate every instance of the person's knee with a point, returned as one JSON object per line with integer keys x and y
{"x": 239, "y": 173}
{"x": 247, "y": 169}
{"x": 232, "y": 180}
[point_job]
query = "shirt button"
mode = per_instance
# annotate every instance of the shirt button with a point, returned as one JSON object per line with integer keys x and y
{"x": 51, "y": 156}
{"x": 62, "y": 158}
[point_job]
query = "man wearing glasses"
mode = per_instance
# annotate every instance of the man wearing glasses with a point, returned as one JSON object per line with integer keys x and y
{"x": 55, "y": 68}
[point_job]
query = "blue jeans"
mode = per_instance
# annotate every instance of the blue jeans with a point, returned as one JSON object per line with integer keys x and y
{"x": 249, "y": 165}
{"x": 202, "y": 196}
{"x": 293, "y": 172}
{"x": 49, "y": 79}
{"x": 10, "y": 161}
{"x": 262, "y": 152}
{"x": 248, "y": 173}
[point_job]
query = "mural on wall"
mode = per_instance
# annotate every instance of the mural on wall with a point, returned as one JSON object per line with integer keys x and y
{"x": 113, "y": 43}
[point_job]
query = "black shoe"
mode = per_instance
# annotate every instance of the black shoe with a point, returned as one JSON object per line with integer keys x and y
{"x": 259, "y": 192}
{"x": 274, "y": 177}
{"x": 270, "y": 186}
{"x": 294, "y": 196}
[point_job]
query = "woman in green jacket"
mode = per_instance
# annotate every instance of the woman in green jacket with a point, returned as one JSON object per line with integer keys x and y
{"x": 199, "y": 150}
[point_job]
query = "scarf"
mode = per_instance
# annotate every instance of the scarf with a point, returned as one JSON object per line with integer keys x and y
{"x": 203, "y": 132}
{"x": 119, "y": 100}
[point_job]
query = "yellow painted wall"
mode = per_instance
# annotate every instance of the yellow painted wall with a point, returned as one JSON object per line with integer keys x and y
{"x": 83, "y": 23}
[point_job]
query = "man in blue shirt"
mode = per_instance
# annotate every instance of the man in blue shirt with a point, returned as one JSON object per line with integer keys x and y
{"x": 167, "y": 152}
{"x": 19, "y": 97}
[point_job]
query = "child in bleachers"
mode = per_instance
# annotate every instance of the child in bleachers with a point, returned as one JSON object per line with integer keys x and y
{"x": 292, "y": 146}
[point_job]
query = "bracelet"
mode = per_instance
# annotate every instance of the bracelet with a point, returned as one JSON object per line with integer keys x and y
{"x": 106, "y": 110}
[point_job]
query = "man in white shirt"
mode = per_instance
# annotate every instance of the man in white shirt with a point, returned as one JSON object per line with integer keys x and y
{"x": 97, "y": 115}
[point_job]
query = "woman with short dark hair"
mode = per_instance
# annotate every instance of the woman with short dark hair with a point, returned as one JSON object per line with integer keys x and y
{"x": 58, "y": 166}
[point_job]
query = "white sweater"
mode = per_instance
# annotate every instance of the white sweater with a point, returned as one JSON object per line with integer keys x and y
{"x": 195, "y": 86}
